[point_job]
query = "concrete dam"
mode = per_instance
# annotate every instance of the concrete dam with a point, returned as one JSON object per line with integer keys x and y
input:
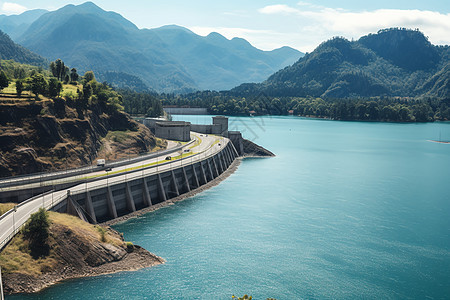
{"x": 116, "y": 199}
{"x": 105, "y": 195}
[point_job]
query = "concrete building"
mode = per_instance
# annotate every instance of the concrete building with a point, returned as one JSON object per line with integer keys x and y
{"x": 223, "y": 123}
{"x": 151, "y": 123}
{"x": 219, "y": 127}
{"x": 178, "y": 131}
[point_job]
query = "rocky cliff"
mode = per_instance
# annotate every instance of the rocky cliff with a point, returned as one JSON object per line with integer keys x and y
{"x": 38, "y": 136}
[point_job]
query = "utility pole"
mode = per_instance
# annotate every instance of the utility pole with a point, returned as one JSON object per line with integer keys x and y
{"x": 1, "y": 286}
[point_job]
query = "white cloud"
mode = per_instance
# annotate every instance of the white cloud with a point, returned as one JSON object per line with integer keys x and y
{"x": 323, "y": 23}
{"x": 277, "y": 9}
{"x": 10, "y": 8}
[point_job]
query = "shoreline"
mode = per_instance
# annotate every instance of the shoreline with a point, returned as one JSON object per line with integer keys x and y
{"x": 139, "y": 259}
{"x": 233, "y": 167}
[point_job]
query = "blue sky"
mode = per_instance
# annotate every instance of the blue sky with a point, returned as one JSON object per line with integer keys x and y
{"x": 271, "y": 24}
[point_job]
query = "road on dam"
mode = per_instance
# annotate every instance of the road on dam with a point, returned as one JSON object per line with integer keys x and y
{"x": 199, "y": 143}
{"x": 204, "y": 146}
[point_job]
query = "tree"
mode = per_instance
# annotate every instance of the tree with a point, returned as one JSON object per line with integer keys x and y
{"x": 53, "y": 69}
{"x": 65, "y": 72}
{"x": 19, "y": 87}
{"x": 86, "y": 94}
{"x": 59, "y": 66}
{"x": 54, "y": 87}
{"x": 4, "y": 81}
{"x": 74, "y": 75}
{"x": 38, "y": 85}
{"x": 36, "y": 231}
{"x": 89, "y": 76}
{"x": 19, "y": 73}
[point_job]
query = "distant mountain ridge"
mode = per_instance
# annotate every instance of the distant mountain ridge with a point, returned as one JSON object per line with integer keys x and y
{"x": 10, "y": 50}
{"x": 393, "y": 62}
{"x": 15, "y": 25}
{"x": 166, "y": 59}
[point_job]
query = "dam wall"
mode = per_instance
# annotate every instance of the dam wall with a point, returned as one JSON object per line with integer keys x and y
{"x": 186, "y": 110}
{"x": 108, "y": 202}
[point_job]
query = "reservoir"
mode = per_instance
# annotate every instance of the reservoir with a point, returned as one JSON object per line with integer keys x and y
{"x": 346, "y": 210}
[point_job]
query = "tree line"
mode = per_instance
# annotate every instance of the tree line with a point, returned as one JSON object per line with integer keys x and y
{"x": 388, "y": 109}
{"x": 55, "y": 84}
{"x": 142, "y": 103}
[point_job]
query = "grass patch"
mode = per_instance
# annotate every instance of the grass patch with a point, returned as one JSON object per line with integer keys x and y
{"x": 16, "y": 256}
{"x": 159, "y": 145}
{"x": 4, "y": 207}
{"x": 70, "y": 88}
{"x": 118, "y": 136}
{"x": 11, "y": 89}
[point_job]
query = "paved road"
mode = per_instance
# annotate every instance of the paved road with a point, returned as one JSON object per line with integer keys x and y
{"x": 201, "y": 142}
{"x": 13, "y": 220}
{"x": 42, "y": 178}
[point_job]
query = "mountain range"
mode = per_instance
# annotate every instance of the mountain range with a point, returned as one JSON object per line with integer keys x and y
{"x": 10, "y": 50}
{"x": 166, "y": 59}
{"x": 393, "y": 62}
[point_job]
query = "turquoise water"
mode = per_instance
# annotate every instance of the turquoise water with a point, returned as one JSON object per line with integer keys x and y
{"x": 346, "y": 210}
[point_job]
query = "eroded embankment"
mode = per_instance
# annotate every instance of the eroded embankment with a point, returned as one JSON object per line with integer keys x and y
{"x": 77, "y": 249}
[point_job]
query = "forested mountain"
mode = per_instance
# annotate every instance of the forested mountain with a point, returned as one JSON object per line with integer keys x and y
{"x": 393, "y": 62}
{"x": 169, "y": 59}
{"x": 15, "y": 25}
{"x": 10, "y": 50}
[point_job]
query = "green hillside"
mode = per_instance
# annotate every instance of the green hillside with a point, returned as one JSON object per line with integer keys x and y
{"x": 392, "y": 63}
{"x": 10, "y": 50}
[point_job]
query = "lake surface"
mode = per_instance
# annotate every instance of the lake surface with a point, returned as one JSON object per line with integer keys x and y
{"x": 347, "y": 210}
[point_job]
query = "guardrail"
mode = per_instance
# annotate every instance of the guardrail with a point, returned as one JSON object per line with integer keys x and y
{"x": 82, "y": 189}
{"x": 141, "y": 173}
{"x": 40, "y": 177}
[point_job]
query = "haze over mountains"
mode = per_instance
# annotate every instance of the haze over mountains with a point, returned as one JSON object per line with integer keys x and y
{"x": 393, "y": 62}
{"x": 166, "y": 59}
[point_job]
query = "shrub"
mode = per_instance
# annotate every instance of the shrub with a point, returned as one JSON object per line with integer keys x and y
{"x": 102, "y": 232}
{"x": 36, "y": 231}
{"x": 130, "y": 247}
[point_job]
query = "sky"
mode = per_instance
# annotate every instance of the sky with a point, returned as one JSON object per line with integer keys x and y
{"x": 267, "y": 25}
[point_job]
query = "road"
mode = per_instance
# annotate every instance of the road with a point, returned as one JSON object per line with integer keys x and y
{"x": 205, "y": 146}
{"x": 201, "y": 142}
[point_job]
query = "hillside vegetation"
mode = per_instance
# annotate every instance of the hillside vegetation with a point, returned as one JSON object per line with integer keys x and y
{"x": 50, "y": 124}
{"x": 395, "y": 75}
{"x": 10, "y": 50}
{"x": 392, "y": 63}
